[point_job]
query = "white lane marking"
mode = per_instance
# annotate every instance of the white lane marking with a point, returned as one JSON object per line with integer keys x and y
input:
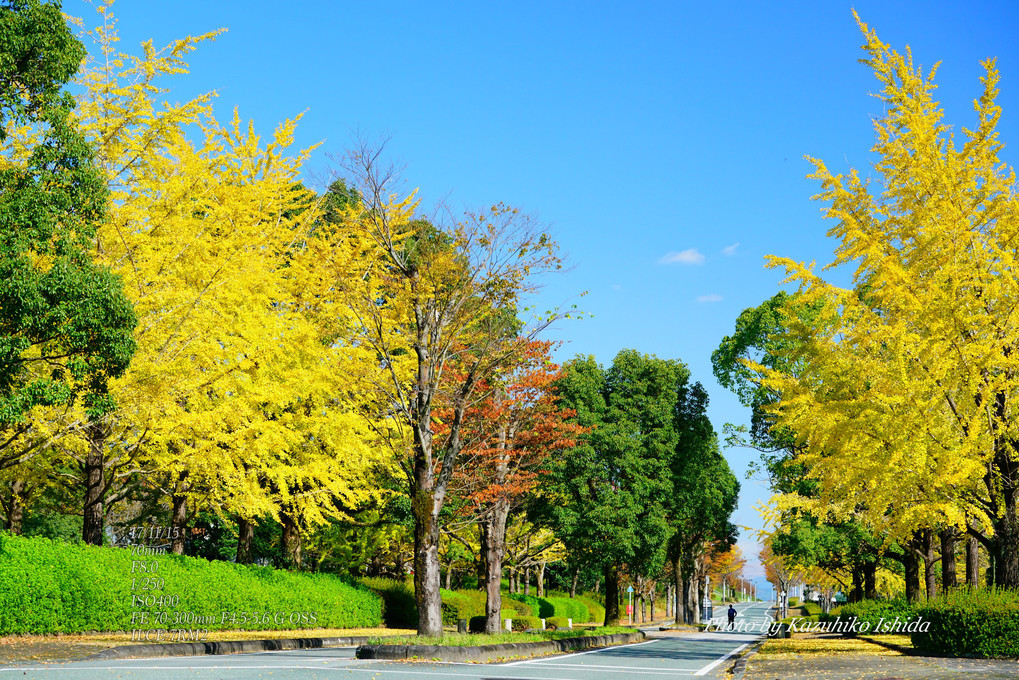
{"x": 569, "y": 656}
{"x": 373, "y": 671}
{"x": 719, "y": 660}
{"x": 619, "y": 669}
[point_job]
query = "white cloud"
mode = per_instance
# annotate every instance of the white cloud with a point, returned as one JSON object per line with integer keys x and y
{"x": 730, "y": 250}
{"x": 688, "y": 256}
{"x": 709, "y": 298}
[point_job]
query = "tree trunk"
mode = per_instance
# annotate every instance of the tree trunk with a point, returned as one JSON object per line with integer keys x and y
{"x": 178, "y": 515}
{"x": 493, "y": 551}
{"x": 482, "y": 570}
{"x": 680, "y": 586}
{"x": 911, "y": 564}
{"x": 245, "y": 538}
{"x": 16, "y": 507}
{"x": 573, "y": 583}
{"x": 426, "y": 563}
{"x": 95, "y": 491}
{"x": 527, "y": 580}
{"x": 541, "y": 579}
{"x": 1006, "y": 544}
{"x": 449, "y": 577}
{"x": 948, "y": 578}
{"x": 291, "y": 541}
{"x": 653, "y": 593}
{"x": 1006, "y": 525}
{"x": 870, "y": 580}
{"x": 612, "y": 595}
{"x": 972, "y": 563}
{"x": 856, "y": 594}
{"x": 929, "y": 564}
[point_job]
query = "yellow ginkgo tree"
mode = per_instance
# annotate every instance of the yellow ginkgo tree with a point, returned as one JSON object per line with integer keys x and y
{"x": 240, "y": 398}
{"x": 905, "y": 396}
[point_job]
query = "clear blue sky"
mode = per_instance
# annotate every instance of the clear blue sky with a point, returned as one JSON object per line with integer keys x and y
{"x": 634, "y": 133}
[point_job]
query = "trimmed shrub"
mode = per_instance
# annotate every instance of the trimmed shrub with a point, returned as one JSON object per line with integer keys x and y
{"x": 399, "y": 609}
{"x": 557, "y": 622}
{"x": 566, "y": 608}
{"x": 794, "y": 601}
{"x": 523, "y": 623}
{"x": 50, "y": 587}
{"x": 461, "y": 604}
{"x": 871, "y": 613}
{"x": 476, "y": 624}
{"x": 521, "y": 608}
{"x": 813, "y": 608}
{"x": 532, "y": 603}
{"x": 594, "y": 608}
{"x": 981, "y": 623}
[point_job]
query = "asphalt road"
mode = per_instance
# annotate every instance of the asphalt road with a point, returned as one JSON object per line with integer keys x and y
{"x": 690, "y": 656}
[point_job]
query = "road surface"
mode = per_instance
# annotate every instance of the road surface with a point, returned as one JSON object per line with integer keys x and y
{"x": 664, "y": 658}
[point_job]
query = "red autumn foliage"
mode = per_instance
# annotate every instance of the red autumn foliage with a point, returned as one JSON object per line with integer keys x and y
{"x": 509, "y": 434}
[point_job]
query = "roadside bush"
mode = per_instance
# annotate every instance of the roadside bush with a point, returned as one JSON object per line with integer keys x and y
{"x": 566, "y": 608}
{"x": 981, "y": 623}
{"x": 476, "y": 624}
{"x": 794, "y": 601}
{"x": 461, "y": 604}
{"x": 399, "y": 609}
{"x": 532, "y": 603}
{"x": 50, "y": 587}
{"x": 871, "y": 612}
{"x": 557, "y": 622}
{"x": 594, "y": 607}
{"x": 523, "y": 623}
{"x": 521, "y": 608}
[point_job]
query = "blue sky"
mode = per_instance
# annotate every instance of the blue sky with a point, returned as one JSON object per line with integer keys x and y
{"x": 639, "y": 134}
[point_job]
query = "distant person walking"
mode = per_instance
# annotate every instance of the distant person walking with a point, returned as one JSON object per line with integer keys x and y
{"x": 732, "y": 616}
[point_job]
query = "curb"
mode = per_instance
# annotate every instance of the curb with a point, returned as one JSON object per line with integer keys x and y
{"x": 226, "y": 647}
{"x": 740, "y": 667}
{"x": 485, "y": 653}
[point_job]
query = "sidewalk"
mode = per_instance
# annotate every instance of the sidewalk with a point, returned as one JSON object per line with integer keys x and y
{"x": 808, "y": 658}
{"x": 851, "y": 666}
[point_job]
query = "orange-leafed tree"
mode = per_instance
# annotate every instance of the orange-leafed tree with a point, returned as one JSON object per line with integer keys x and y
{"x": 508, "y": 436}
{"x": 727, "y": 567}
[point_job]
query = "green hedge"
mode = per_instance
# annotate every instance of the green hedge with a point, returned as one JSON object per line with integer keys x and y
{"x": 520, "y": 608}
{"x": 522, "y": 623}
{"x": 579, "y": 609}
{"x": 461, "y": 604}
{"x": 532, "y": 603}
{"x": 50, "y": 587}
{"x": 565, "y": 607}
{"x": 399, "y": 609}
{"x": 594, "y": 607}
{"x": 476, "y": 624}
{"x": 557, "y": 622}
{"x": 981, "y": 623}
{"x": 869, "y": 614}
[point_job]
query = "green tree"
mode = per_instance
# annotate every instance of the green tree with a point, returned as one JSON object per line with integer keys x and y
{"x": 703, "y": 496}
{"x": 604, "y": 497}
{"x": 65, "y": 324}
